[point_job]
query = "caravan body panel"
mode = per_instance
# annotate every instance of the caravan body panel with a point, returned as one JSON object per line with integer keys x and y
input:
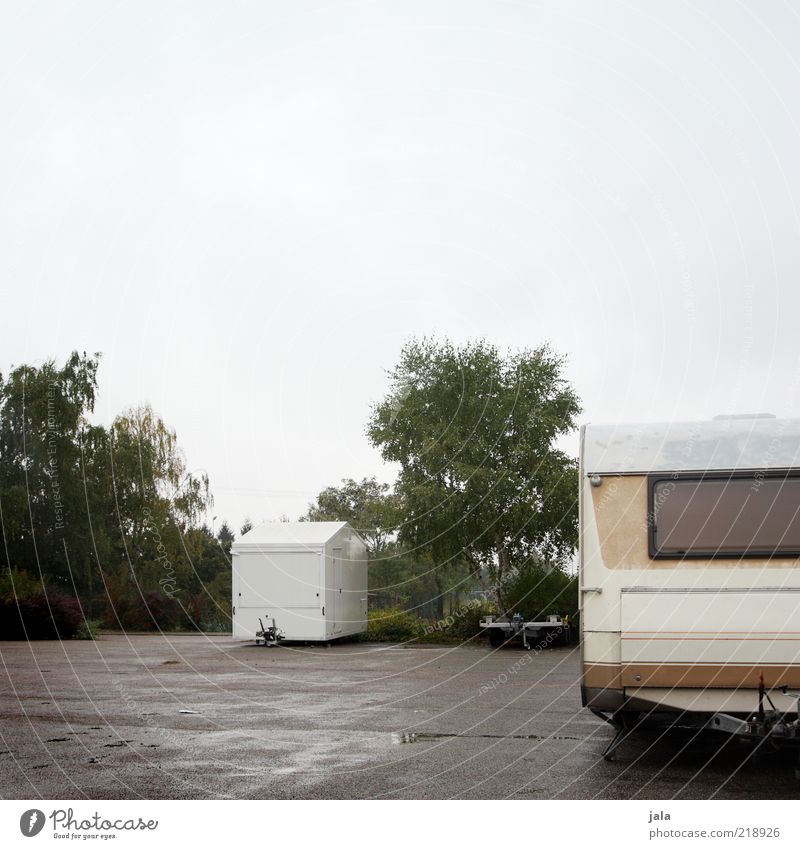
{"x": 680, "y": 607}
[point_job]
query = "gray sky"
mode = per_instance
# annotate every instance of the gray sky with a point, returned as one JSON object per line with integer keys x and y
{"x": 247, "y": 207}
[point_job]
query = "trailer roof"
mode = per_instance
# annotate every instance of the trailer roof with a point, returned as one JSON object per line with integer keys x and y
{"x": 292, "y": 533}
{"x": 718, "y": 444}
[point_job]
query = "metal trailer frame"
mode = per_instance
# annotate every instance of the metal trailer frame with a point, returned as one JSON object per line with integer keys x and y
{"x": 767, "y": 725}
{"x": 502, "y": 630}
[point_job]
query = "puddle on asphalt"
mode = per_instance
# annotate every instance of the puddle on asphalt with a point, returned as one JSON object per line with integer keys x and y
{"x": 399, "y": 738}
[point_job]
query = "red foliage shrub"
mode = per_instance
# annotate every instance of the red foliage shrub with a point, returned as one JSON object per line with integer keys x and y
{"x": 148, "y": 611}
{"x": 48, "y": 615}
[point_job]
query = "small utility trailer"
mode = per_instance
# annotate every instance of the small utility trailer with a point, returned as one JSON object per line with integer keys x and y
{"x": 307, "y": 580}
{"x": 552, "y": 631}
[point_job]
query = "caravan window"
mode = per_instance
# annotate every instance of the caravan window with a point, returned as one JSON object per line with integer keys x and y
{"x": 733, "y": 515}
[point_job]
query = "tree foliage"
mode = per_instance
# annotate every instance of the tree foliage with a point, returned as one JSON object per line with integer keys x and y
{"x": 225, "y": 536}
{"x": 536, "y": 591}
{"x": 369, "y": 506}
{"x": 474, "y": 433}
{"x": 111, "y": 515}
{"x": 43, "y": 435}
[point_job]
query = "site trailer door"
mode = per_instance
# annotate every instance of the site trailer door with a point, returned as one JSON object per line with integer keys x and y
{"x": 310, "y": 577}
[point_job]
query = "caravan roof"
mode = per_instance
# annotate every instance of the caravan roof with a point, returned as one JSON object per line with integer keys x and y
{"x": 717, "y": 445}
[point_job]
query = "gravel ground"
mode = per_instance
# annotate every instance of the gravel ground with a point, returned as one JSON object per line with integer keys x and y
{"x": 187, "y": 716}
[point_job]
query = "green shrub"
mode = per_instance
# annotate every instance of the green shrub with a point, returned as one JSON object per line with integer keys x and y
{"x": 460, "y": 625}
{"x": 217, "y": 617}
{"x": 87, "y": 630}
{"x": 395, "y": 625}
{"x": 392, "y": 625}
{"x": 204, "y": 612}
{"x": 216, "y": 625}
{"x": 15, "y": 583}
{"x": 536, "y": 591}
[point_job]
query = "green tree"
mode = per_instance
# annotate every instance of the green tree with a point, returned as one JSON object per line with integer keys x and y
{"x": 414, "y": 582}
{"x": 474, "y": 432}
{"x": 370, "y": 508}
{"x": 109, "y": 514}
{"x": 44, "y": 434}
{"x": 151, "y": 470}
{"x": 225, "y": 537}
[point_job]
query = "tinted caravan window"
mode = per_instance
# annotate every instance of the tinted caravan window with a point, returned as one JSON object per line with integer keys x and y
{"x": 702, "y": 516}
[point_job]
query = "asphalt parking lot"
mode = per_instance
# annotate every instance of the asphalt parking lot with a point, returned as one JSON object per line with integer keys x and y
{"x": 192, "y": 716}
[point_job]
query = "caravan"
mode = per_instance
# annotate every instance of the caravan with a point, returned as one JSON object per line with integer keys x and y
{"x": 690, "y": 572}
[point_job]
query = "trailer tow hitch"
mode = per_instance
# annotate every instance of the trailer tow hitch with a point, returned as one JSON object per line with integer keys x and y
{"x": 766, "y": 724}
{"x": 271, "y": 636}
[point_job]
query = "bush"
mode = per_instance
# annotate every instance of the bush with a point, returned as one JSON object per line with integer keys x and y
{"x": 148, "y": 611}
{"x": 14, "y": 584}
{"x": 219, "y": 624}
{"x": 217, "y": 617}
{"x": 536, "y": 591}
{"x": 460, "y": 625}
{"x": 206, "y": 613}
{"x": 396, "y": 625}
{"x": 87, "y": 630}
{"x": 392, "y": 625}
{"x": 40, "y": 615}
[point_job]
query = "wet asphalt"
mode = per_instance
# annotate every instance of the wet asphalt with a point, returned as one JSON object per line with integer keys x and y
{"x": 192, "y": 716}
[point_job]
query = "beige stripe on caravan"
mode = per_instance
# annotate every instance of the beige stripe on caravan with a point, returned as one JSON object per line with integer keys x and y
{"x": 709, "y": 675}
{"x": 603, "y": 676}
{"x": 620, "y": 510}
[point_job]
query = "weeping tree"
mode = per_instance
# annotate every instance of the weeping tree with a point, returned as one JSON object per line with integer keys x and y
{"x": 474, "y": 431}
{"x": 158, "y": 506}
{"x": 151, "y": 476}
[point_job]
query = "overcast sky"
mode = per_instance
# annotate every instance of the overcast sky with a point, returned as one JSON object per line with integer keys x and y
{"x": 248, "y": 207}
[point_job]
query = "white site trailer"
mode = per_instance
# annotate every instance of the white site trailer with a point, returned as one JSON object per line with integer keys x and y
{"x": 690, "y": 572}
{"x": 309, "y": 577}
